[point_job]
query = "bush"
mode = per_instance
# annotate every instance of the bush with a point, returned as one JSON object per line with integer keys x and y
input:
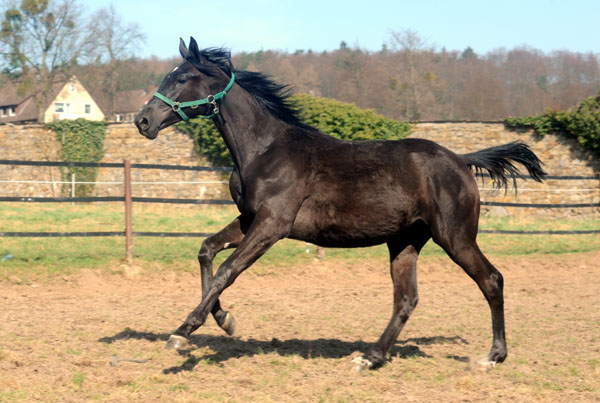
{"x": 82, "y": 141}
{"x": 582, "y": 123}
{"x": 347, "y": 121}
{"x": 342, "y": 120}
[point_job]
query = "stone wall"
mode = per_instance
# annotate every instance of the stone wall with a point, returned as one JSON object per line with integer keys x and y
{"x": 29, "y": 143}
{"x": 561, "y": 157}
{"x": 122, "y": 141}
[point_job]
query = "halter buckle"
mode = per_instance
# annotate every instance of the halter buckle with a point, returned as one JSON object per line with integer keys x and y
{"x": 213, "y": 101}
{"x": 176, "y": 106}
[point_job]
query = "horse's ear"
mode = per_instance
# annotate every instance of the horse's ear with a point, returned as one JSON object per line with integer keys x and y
{"x": 183, "y": 50}
{"x": 194, "y": 50}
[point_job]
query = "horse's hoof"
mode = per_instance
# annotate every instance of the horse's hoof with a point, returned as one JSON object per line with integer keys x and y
{"x": 483, "y": 365}
{"x": 361, "y": 363}
{"x": 229, "y": 324}
{"x": 176, "y": 342}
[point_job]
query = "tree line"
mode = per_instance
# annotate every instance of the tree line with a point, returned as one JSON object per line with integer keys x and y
{"x": 44, "y": 41}
{"x": 409, "y": 81}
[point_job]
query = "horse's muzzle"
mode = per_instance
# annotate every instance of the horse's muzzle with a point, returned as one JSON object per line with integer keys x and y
{"x": 145, "y": 128}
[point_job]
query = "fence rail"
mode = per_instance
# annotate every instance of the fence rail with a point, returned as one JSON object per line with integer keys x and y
{"x": 207, "y": 234}
{"x": 224, "y": 201}
{"x": 114, "y": 165}
{"x": 128, "y": 199}
{"x": 213, "y": 169}
{"x": 113, "y": 199}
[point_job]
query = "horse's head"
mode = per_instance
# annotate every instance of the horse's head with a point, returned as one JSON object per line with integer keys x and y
{"x": 184, "y": 92}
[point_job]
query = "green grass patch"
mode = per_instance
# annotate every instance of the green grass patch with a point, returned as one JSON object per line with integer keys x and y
{"x": 78, "y": 379}
{"x": 49, "y": 257}
{"x": 14, "y": 395}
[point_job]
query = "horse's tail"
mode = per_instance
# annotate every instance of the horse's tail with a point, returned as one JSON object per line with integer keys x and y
{"x": 499, "y": 162}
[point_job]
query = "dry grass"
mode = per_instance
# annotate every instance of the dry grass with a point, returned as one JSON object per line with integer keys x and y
{"x": 298, "y": 328}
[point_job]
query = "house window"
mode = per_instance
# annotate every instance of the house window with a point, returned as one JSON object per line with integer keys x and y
{"x": 3, "y": 113}
{"x": 88, "y": 109}
{"x": 59, "y": 107}
{"x": 11, "y": 111}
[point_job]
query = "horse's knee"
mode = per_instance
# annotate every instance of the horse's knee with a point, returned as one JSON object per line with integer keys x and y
{"x": 206, "y": 253}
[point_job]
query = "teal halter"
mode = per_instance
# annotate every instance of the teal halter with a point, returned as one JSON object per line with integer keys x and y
{"x": 211, "y": 99}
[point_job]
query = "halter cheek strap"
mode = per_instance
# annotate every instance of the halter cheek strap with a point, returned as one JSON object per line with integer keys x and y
{"x": 211, "y": 99}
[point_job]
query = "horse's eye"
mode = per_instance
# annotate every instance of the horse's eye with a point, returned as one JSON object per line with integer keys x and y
{"x": 181, "y": 81}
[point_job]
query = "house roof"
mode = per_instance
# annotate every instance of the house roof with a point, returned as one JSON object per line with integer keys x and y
{"x": 133, "y": 101}
{"x": 9, "y": 95}
{"x": 25, "y": 108}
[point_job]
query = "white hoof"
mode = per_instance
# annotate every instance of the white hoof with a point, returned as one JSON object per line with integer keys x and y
{"x": 229, "y": 324}
{"x": 483, "y": 365}
{"x": 176, "y": 342}
{"x": 361, "y": 363}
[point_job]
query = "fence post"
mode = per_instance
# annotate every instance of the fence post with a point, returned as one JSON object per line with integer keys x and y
{"x": 72, "y": 188}
{"x": 128, "y": 214}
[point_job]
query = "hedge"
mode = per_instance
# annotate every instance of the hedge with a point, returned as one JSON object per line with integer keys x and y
{"x": 342, "y": 120}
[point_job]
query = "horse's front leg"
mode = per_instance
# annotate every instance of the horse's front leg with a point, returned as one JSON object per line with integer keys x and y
{"x": 265, "y": 230}
{"x": 228, "y": 237}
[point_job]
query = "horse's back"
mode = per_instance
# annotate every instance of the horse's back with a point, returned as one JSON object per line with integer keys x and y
{"x": 362, "y": 193}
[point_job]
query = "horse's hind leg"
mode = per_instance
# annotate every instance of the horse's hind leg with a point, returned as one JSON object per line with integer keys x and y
{"x": 403, "y": 269}
{"x": 466, "y": 253}
{"x": 228, "y": 237}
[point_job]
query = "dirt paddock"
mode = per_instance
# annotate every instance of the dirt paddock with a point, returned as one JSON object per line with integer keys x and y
{"x": 101, "y": 336}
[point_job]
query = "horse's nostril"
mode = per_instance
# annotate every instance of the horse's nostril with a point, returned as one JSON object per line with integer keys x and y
{"x": 142, "y": 123}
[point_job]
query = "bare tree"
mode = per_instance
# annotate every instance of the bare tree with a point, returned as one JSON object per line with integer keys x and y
{"x": 40, "y": 41}
{"x": 110, "y": 42}
{"x": 409, "y": 45}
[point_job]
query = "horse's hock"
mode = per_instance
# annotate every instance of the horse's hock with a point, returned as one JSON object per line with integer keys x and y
{"x": 561, "y": 157}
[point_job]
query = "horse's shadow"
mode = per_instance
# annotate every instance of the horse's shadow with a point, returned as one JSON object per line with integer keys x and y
{"x": 225, "y": 348}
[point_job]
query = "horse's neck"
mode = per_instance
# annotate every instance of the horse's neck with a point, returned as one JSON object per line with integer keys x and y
{"x": 247, "y": 129}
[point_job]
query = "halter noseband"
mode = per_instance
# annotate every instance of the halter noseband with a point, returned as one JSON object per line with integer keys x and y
{"x": 211, "y": 99}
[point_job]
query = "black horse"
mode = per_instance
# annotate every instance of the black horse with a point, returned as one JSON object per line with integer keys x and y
{"x": 292, "y": 181}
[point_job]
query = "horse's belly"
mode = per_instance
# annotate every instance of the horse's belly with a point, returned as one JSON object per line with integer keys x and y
{"x": 328, "y": 226}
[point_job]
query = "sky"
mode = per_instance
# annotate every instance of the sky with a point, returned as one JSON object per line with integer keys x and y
{"x": 252, "y": 25}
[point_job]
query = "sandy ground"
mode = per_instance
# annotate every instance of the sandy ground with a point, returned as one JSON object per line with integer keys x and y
{"x": 298, "y": 329}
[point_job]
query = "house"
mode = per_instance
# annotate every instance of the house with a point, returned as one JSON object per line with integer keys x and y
{"x": 15, "y": 107}
{"x": 68, "y": 100}
{"x": 127, "y": 104}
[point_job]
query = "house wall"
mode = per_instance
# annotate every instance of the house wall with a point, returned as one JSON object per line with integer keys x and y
{"x": 561, "y": 157}
{"x": 76, "y": 97}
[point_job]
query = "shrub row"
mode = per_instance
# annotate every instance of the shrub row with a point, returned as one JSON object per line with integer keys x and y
{"x": 342, "y": 120}
{"x": 581, "y": 122}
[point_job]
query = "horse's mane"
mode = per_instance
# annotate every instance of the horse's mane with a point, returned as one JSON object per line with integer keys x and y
{"x": 275, "y": 98}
